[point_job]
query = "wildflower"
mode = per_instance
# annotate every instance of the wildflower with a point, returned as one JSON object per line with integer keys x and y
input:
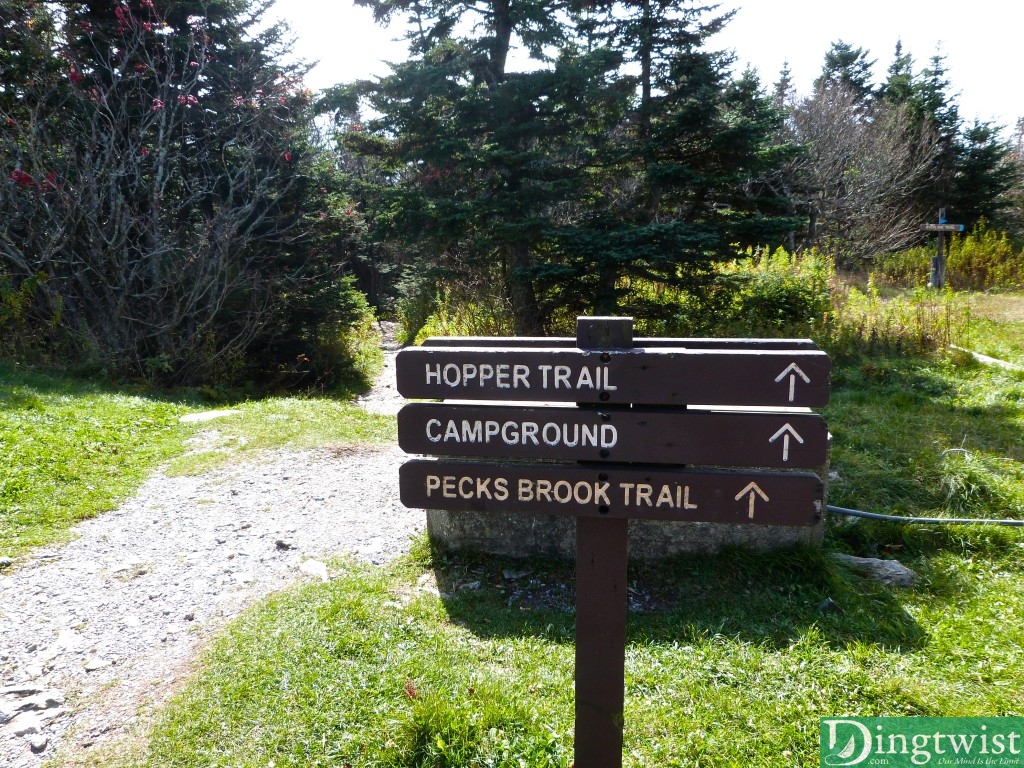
{"x": 146, "y": 4}
{"x": 147, "y": 26}
{"x": 141, "y": 67}
{"x": 157, "y": 105}
{"x": 144, "y": 151}
{"x": 410, "y": 690}
{"x": 21, "y": 178}
{"x": 76, "y": 76}
{"x": 287, "y": 156}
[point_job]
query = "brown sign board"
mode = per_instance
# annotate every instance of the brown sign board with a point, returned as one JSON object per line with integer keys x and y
{"x": 791, "y": 440}
{"x": 653, "y": 493}
{"x": 654, "y": 376}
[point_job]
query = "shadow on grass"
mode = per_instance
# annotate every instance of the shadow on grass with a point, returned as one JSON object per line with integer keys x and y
{"x": 22, "y": 387}
{"x": 766, "y": 599}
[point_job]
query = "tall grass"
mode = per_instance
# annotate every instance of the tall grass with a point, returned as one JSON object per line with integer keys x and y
{"x": 760, "y": 294}
{"x": 916, "y": 322}
{"x": 981, "y": 260}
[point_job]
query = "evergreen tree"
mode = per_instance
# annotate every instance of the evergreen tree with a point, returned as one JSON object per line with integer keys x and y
{"x": 849, "y": 68}
{"x": 566, "y": 180}
{"x": 784, "y": 90}
{"x": 899, "y": 82}
{"x": 984, "y": 174}
{"x": 484, "y": 159}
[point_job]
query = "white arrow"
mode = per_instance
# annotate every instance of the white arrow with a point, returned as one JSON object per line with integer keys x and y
{"x": 793, "y": 370}
{"x": 784, "y": 433}
{"x": 752, "y": 489}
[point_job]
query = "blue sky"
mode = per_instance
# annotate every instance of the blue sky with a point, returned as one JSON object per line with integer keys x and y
{"x": 981, "y": 41}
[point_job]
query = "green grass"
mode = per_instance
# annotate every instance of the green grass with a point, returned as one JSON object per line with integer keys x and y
{"x": 997, "y": 327}
{"x": 731, "y": 663}
{"x": 733, "y": 668}
{"x": 295, "y": 423}
{"x": 928, "y": 437}
{"x": 71, "y": 449}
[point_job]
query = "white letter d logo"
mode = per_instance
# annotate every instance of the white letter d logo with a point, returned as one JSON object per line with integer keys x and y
{"x": 845, "y": 756}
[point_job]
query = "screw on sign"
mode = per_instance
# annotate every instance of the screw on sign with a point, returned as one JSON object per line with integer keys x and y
{"x": 621, "y": 460}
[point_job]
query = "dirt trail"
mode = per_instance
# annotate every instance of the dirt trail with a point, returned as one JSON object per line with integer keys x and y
{"x": 97, "y": 633}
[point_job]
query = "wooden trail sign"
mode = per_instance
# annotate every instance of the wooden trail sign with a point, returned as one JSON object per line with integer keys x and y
{"x": 937, "y": 278}
{"x": 783, "y": 378}
{"x": 627, "y": 458}
{"x": 790, "y": 440}
{"x": 651, "y": 493}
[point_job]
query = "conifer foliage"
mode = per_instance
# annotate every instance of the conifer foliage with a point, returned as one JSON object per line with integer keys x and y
{"x": 560, "y": 180}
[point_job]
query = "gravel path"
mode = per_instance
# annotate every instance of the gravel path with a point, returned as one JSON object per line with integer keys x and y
{"x": 95, "y": 634}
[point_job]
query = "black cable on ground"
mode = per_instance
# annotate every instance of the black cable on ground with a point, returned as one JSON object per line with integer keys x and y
{"x": 924, "y": 520}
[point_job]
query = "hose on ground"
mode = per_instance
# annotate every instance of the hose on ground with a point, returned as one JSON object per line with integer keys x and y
{"x": 921, "y": 520}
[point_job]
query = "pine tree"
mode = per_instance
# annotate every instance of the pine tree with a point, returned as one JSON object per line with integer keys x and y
{"x": 899, "y": 82}
{"x": 984, "y": 174}
{"x": 679, "y": 191}
{"x": 849, "y": 68}
{"x": 564, "y": 181}
{"x": 485, "y": 159}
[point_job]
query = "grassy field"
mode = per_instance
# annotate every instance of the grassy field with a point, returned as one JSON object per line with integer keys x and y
{"x": 998, "y": 326}
{"x": 444, "y": 661}
{"x": 71, "y": 449}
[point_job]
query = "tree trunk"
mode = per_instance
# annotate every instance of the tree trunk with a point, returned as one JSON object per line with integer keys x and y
{"x": 519, "y": 285}
{"x": 606, "y": 302}
{"x": 502, "y": 40}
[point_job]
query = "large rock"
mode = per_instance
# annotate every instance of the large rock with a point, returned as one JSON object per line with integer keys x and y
{"x": 891, "y": 572}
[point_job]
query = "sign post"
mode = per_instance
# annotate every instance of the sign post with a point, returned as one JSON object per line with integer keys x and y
{"x": 629, "y": 429}
{"x": 601, "y": 545}
{"x": 938, "y": 274}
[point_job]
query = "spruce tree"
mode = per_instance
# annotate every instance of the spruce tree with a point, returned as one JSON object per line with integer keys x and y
{"x": 564, "y": 181}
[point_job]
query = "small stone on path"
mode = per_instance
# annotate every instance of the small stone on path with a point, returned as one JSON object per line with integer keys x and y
{"x": 44, "y": 700}
{"x": 26, "y": 724}
{"x": 315, "y": 569}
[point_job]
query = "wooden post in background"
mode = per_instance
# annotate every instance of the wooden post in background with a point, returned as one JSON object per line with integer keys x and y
{"x": 939, "y": 260}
